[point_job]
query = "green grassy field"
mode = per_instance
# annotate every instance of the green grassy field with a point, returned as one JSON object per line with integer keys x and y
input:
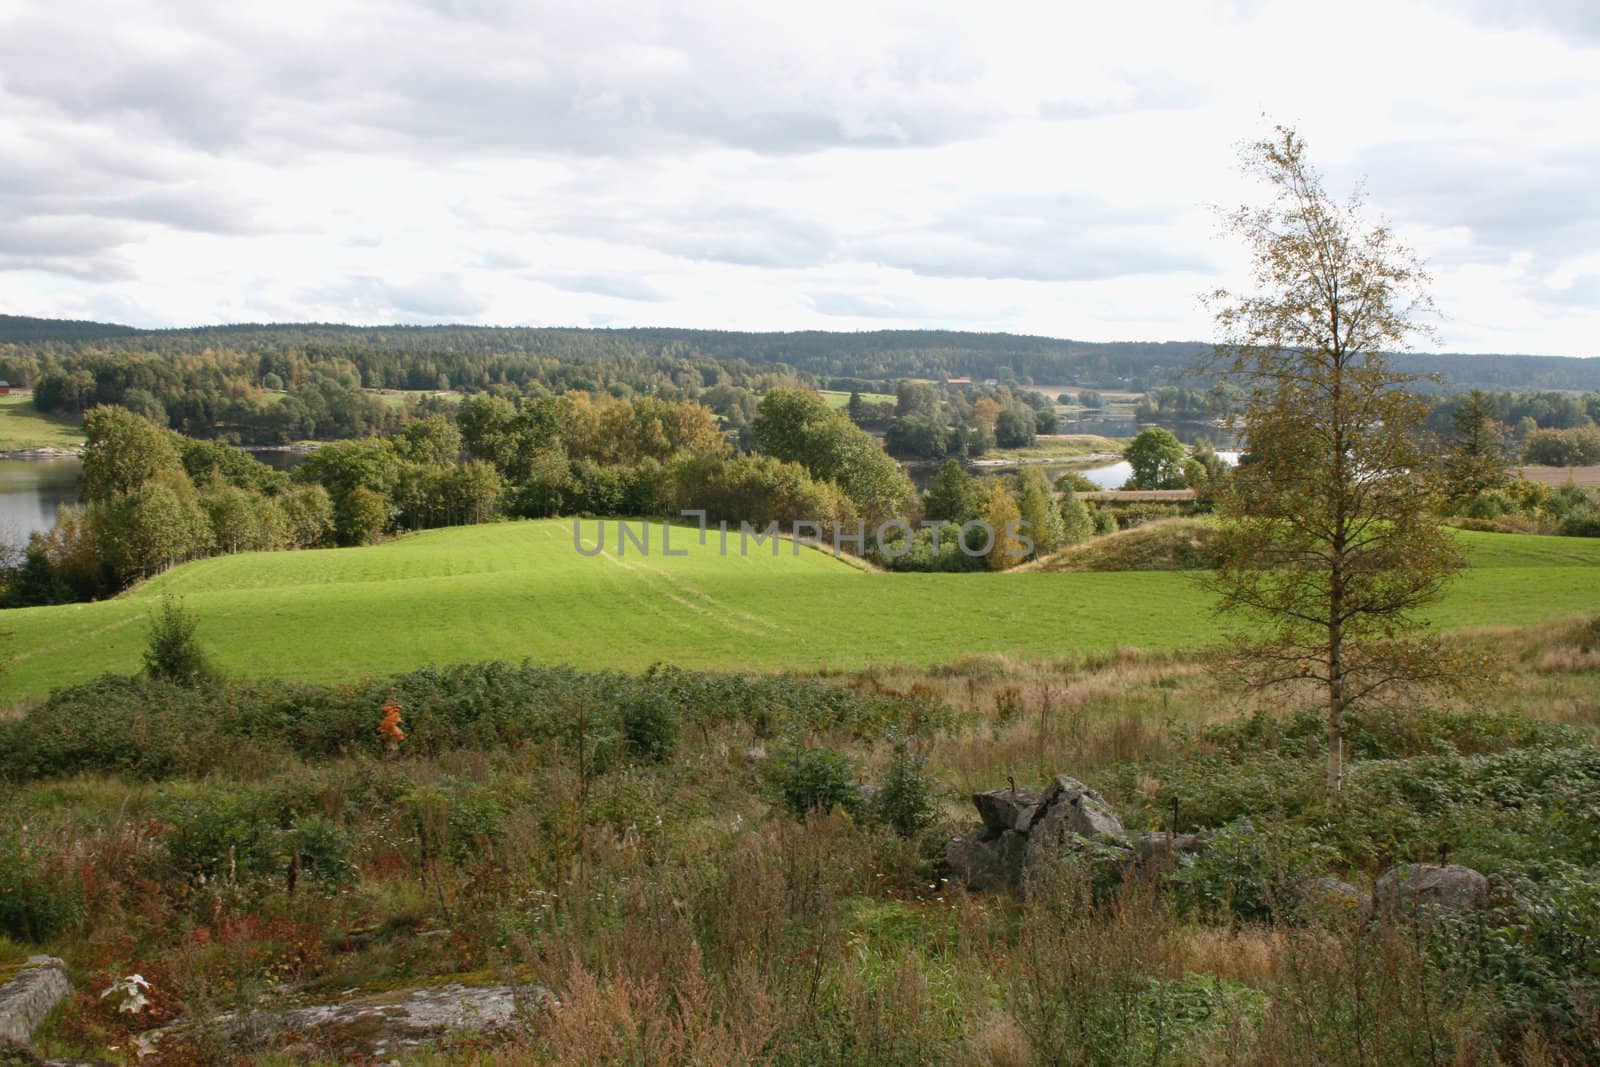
{"x": 837, "y": 399}
{"x": 515, "y": 590}
{"x": 1061, "y": 446}
{"x": 22, "y": 427}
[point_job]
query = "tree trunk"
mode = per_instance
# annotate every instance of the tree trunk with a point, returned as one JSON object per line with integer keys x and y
{"x": 1336, "y": 704}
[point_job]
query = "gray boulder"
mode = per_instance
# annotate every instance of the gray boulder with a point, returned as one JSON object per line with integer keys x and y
{"x": 28, "y": 997}
{"x": 1025, "y": 833}
{"x": 1330, "y": 896}
{"x": 1412, "y": 884}
{"x": 1069, "y": 806}
{"x": 985, "y": 861}
{"x": 1006, "y": 809}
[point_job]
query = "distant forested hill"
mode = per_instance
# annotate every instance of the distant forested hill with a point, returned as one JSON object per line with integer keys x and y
{"x": 478, "y": 356}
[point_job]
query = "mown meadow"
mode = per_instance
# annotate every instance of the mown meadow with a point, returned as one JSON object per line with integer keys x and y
{"x": 519, "y": 590}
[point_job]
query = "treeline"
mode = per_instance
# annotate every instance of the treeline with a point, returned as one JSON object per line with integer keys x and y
{"x": 476, "y": 357}
{"x": 324, "y": 394}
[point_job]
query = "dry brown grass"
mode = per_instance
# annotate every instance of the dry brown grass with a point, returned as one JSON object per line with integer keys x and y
{"x": 1243, "y": 954}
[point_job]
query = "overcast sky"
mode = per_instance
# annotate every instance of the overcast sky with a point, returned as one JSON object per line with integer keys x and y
{"x": 752, "y": 165}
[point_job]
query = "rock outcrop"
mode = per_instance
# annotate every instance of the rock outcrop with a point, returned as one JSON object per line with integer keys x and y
{"x": 1023, "y": 832}
{"x": 372, "y": 1026}
{"x": 30, "y": 995}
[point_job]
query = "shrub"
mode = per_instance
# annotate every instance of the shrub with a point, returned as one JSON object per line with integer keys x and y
{"x": 811, "y": 779}
{"x": 1248, "y": 874}
{"x": 221, "y": 832}
{"x": 649, "y": 726}
{"x": 174, "y": 655}
{"x": 323, "y": 849}
{"x": 904, "y": 799}
{"x": 453, "y": 819}
{"x": 154, "y": 729}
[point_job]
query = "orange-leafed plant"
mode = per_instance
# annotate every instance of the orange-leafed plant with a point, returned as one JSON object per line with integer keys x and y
{"x": 390, "y": 729}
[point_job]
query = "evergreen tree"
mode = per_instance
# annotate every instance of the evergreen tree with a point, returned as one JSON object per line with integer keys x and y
{"x": 953, "y": 496}
{"x": 1476, "y": 461}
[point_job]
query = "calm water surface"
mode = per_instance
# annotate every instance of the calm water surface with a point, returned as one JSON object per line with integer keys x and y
{"x": 30, "y": 492}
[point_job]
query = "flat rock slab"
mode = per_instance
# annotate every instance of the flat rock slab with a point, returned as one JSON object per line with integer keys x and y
{"x": 29, "y": 996}
{"x": 371, "y": 1026}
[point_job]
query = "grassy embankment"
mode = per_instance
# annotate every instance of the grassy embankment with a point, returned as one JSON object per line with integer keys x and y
{"x": 516, "y": 590}
{"x": 21, "y": 427}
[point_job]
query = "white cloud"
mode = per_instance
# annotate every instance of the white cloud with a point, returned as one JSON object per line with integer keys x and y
{"x": 1034, "y": 167}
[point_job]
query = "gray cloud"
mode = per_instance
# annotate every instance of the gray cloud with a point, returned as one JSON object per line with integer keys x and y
{"x": 1034, "y": 238}
{"x": 1576, "y": 19}
{"x": 876, "y": 305}
{"x": 622, "y": 286}
{"x": 1547, "y": 204}
{"x": 1155, "y": 91}
{"x": 68, "y": 204}
{"x": 742, "y": 234}
{"x": 438, "y": 298}
{"x": 545, "y": 78}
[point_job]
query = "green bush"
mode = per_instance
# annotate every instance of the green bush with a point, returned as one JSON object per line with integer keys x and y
{"x": 323, "y": 849}
{"x": 222, "y": 832}
{"x": 905, "y": 796}
{"x": 1248, "y": 874}
{"x": 649, "y": 726}
{"x": 453, "y": 819}
{"x": 812, "y": 779}
{"x": 151, "y": 729}
{"x": 174, "y": 655}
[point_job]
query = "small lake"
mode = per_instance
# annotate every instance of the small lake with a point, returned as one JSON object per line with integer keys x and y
{"x": 30, "y": 492}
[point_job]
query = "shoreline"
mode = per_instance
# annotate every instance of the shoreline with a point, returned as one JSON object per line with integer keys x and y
{"x": 46, "y": 452}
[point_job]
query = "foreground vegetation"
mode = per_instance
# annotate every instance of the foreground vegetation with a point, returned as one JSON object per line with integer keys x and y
{"x": 520, "y": 590}
{"x": 685, "y": 862}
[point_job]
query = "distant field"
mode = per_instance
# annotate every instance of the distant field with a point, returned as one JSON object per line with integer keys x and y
{"x": 1587, "y": 477}
{"x": 396, "y": 398}
{"x": 1060, "y": 446}
{"x": 23, "y": 427}
{"x": 838, "y": 399}
{"x": 515, "y": 590}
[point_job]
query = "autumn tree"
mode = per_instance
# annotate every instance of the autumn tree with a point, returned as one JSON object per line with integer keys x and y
{"x": 1328, "y": 542}
{"x": 1037, "y": 504}
{"x": 998, "y": 509}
